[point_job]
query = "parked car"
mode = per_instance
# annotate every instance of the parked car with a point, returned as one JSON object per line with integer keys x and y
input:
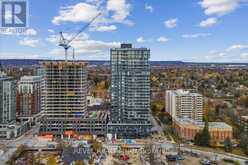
{"x": 171, "y": 157}
{"x": 205, "y": 162}
{"x": 194, "y": 154}
{"x": 124, "y": 157}
{"x": 174, "y": 157}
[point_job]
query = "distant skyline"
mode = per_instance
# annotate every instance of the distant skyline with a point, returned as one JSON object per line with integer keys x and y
{"x": 174, "y": 30}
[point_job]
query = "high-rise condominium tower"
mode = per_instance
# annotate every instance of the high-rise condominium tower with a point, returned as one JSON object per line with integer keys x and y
{"x": 7, "y": 99}
{"x": 63, "y": 96}
{"x": 184, "y": 104}
{"x": 130, "y": 91}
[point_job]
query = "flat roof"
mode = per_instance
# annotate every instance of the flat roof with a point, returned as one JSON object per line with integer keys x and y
{"x": 64, "y": 63}
{"x": 244, "y": 117}
{"x": 182, "y": 92}
{"x": 193, "y": 123}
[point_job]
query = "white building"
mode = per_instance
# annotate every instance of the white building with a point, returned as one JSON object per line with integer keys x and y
{"x": 92, "y": 101}
{"x": 184, "y": 104}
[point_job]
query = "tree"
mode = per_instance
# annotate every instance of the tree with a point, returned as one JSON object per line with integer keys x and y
{"x": 79, "y": 162}
{"x": 228, "y": 145}
{"x": 246, "y": 102}
{"x": 244, "y": 142}
{"x": 157, "y": 106}
{"x": 197, "y": 139}
{"x": 51, "y": 160}
{"x": 236, "y": 163}
{"x": 96, "y": 146}
{"x": 203, "y": 138}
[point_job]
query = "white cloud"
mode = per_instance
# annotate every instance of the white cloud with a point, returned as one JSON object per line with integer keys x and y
{"x": 197, "y": 35}
{"x": 244, "y": 56}
{"x": 237, "y": 47}
{"x": 31, "y": 32}
{"x": 162, "y": 39}
{"x": 54, "y": 38}
{"x": 208, "y": 22}
{"x": 219, "y": 7}
{"x": 88, "y": 46}
{"x": 114, "y": 11}
{"x": 82, "y": 44}
{"x": 14, "y": 32}
{"x": 171, "y": 23}
{"x": 140, "y": 40}
{"x": 104, "y": 28}
{"x": 120, "y": 8}
{"x": 81, "y": 12}
{"x": 29, "y": 42}
{"x": 92, "y": 1}
{"x": 213, "y": 57}
{"x": 149, "y": 8}
{"x": 51, "y": 31}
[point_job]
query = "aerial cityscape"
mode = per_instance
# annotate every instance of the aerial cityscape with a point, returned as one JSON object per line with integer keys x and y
{"x": 119, "y": 82}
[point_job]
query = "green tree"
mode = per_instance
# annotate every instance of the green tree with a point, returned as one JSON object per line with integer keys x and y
{"x": 203, "y": 138}
{"x": 228, "y": 145}
{"x": 246, "y": 150}
{"x": 236, "y": 163}
{"x": 244, "y": 142}
{"x": 197, "y": 139}
{"x": 205, "y": 135}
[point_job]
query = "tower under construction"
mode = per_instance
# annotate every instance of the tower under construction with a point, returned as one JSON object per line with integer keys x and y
{"x": 63, "y": 96}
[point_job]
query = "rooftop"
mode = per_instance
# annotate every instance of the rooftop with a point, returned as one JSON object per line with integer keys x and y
{"x": 62, "y": 64}
{"x": 244, "y": 117}
{"x": 128, "y": 46}
{"x": 30, "y": 78}
{"x": 181, "y": 92}
{"x": 193, "y": 123}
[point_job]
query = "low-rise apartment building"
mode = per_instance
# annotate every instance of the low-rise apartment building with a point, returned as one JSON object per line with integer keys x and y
{"x": 187, "y": 129}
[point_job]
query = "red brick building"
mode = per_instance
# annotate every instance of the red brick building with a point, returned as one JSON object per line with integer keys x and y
{"x": 187, "y": 129}
{"x": 28, "y": 99}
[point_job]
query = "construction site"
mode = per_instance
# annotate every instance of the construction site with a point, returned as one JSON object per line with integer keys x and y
{"x": 64, "y": 101}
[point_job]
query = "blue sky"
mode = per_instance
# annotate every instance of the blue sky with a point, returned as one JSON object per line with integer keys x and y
{"x": 187, "y": 30}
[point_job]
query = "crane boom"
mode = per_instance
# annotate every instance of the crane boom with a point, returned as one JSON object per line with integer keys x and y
{"x": 84, "y": 28}
{"x": 65, "y": 43}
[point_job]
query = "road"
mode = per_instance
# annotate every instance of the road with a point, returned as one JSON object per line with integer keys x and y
{"x": 156, "y": 126}
{"x": 209, "y": 154}
{"x": 10, "y": 146}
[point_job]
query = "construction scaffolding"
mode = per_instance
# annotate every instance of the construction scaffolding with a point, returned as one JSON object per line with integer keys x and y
{"x": 63, "y": 96}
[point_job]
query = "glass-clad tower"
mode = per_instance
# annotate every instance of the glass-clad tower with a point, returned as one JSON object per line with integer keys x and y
{"x": 7, "y": 99}
{"x": 130, "y": 91}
